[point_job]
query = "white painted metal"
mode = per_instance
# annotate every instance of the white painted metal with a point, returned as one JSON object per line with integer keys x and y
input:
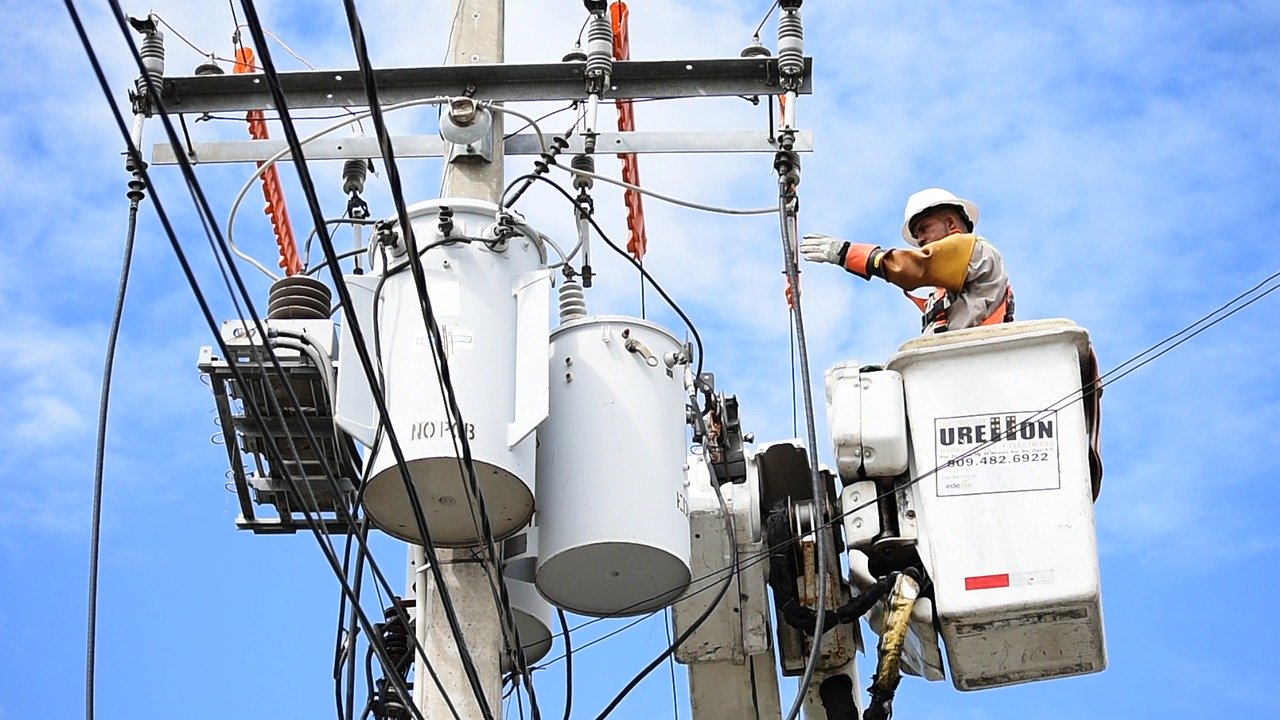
{"x": 860, "y": 514}
{"x": 345, "y": 147}
{"x": 353, "y": 409}
{"x": 868, "y": 422}
{"x": 1004, "y": 499}
{"x": 532, "y": 612}
{"x": 479, "y": 297}
{"x": 612, "y": 506}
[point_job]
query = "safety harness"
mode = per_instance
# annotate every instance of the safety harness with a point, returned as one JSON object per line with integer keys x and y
{"x": 934, "y": 309}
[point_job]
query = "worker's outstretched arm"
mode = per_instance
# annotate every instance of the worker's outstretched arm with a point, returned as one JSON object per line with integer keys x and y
{"x": 943, "y": 263}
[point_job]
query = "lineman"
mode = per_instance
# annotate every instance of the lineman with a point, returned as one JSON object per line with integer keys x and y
{"x": 967, "y": 271}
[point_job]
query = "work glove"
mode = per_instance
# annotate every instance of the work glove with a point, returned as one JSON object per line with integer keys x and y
{"x": 861, "y": 259}
{"x": 816, "y": 247}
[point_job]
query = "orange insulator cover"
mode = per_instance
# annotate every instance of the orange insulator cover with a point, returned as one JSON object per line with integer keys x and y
{"x": 272, "y": 191}
{"x": 637, "y": 243}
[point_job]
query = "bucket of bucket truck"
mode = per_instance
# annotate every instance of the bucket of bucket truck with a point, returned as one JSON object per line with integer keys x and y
{"x": 1003, "y": 500}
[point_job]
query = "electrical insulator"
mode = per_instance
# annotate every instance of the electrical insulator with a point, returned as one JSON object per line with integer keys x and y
{"x": 755, "y": 49}
{"x": 152, "y": 52}
{"x": 599, "y": 52}
{"x": 298, "y": 297}
{"x": 574, "y": 54}
{"x": 790, "y": 48}
{"x": 209, "y": 67}
{"x": 585, "y": 163}
{"x": 573, "y": 302}
{"x": 354, "y": 173}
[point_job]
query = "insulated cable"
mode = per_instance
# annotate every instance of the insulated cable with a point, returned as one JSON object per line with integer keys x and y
{"x": 568, "y": 663}
{"x": 731, "y": 534}
{"x": 439, "y": 357}
{"x": 668, "y": 198}
{"x": 761, "y": 556}
{"x": 788, "y": 208}
{"x": 210, "y": 228}
{"x": 773, "y": 6}
{"x": 697, "y": 337}
{"x": 271, "y": 161}
{"x": 137, "y": 191}
{"x": 273, "y": 84}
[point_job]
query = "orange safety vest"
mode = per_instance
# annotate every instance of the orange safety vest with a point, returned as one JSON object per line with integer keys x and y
{"x": 934, "y": 309}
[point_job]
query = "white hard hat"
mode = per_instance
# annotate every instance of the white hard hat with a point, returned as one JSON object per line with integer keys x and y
{"x": 930, "y": 198}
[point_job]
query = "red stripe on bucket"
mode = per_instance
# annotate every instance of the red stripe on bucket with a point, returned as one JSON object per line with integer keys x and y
{"x": 986, "y": 582}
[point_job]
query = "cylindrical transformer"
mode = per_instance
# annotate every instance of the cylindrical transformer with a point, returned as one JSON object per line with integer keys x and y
{"x": 491, "y": 305}
{"x": 613, "y": 509}
{"x": 532, "y": 613}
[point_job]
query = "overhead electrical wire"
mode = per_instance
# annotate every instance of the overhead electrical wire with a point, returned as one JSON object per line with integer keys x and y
{"x": 671, "y": 665}
{"x": 136, "y": 194}
{"x": 272, "y": 81}
{"x": 772, "y": 6}
{"x": 475, "y": 498}
{"x": 668, "y": 198}
{"x": 193, "y": 46}
{"x": 211, "y": 231}
{"x": 617, "y": 700}
{"x": 639, "y": 268}
{"x": 568, "y": 663}
{"x": 788, "y": 205}
{"x": 344, "y": 122}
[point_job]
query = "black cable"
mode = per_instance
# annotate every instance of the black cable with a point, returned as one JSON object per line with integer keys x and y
{"x": 693, "y": 330}
{"x": 539, "y": 119}
{"x": 1210, "y": 325}
{"x": 216, "y": 241}
{"x": 475, "y": 497}
{"x": 761, "y": 556}
{"x": 272, "y": 79}
{"x": 348, "y": 634}
{"x": 137, "y": 188}
{"x": 306, "y": 245}
{"x": 697, "y": 623}
{"x": 671, "y": 665}
{"x": 788, "y": 205}
{"x": 568, "y": 663}
{"x": 764, "y": 20}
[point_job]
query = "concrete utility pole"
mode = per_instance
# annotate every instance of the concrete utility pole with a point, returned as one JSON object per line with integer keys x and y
{"x": 476, "y": 36}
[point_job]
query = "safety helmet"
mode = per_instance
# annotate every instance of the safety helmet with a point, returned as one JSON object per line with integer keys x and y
{"x": 931, "y": 198}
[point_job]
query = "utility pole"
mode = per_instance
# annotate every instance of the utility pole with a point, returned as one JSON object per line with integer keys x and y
{"x": 476, "y": 36}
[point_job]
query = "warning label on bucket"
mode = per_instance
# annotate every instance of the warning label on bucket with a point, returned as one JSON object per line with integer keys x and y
{"x": 996, "y": 452}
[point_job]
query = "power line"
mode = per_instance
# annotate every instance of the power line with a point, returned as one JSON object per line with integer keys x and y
{"x": 135, "y": 195}
{"x": 272, "y": 80}
{"x": 475, "y": 497}
{"x": 210, "y": 229}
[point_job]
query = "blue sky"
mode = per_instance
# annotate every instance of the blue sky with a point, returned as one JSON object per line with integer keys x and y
{"x": 1125, "y": 156}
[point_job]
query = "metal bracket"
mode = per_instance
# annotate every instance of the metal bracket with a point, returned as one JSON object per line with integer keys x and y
{"x": 564, "y": 81}
{"x": 338, "y": 147}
